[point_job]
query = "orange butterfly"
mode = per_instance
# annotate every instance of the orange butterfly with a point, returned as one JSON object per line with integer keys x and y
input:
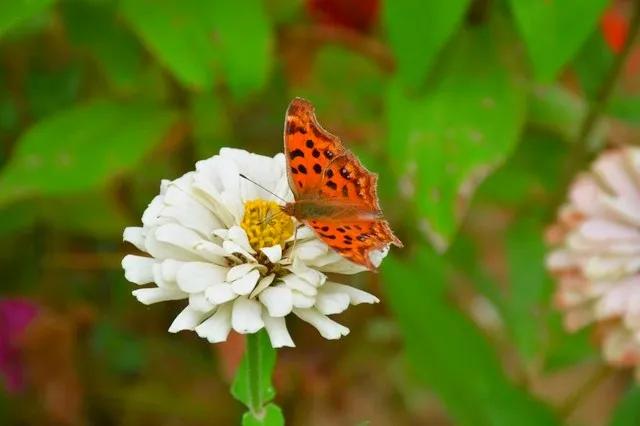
{"x": 334, "y": 193}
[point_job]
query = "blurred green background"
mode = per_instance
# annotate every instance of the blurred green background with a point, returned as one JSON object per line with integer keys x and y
{"x": 475, "y": 113}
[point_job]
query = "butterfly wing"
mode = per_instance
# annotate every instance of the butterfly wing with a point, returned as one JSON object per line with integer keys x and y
{"x": 331, "y": 180}
{"x": 355, "y": 239}
{"x": 309, "y": 149}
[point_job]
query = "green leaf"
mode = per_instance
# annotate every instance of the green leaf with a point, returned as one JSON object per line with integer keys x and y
{"x": 627, "y": 413}
{"x": 14, "y": 12}
{"x": 81, "y": 148}
{"x": 554, "y": 31}
{"x": 449, "y": 353}
{"x": 211, "y": 124}
{"x": 272, "y": 417}
{"x": 50, "y": 91}
{"x": 245, "y": 45}
{"x": 417, "y": 30}
{"x": 179, "y": 33}
{"x": 93, "y": 26}
{"x": 267, "y": 360}
{"x": 449, "y": 139}
{"x": 529, "y": 284}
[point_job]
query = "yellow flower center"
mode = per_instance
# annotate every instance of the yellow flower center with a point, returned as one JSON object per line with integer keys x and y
{"x": 265, "y": 224}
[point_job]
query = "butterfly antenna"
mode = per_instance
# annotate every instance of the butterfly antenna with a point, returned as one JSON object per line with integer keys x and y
{"x": 263, "y": 188}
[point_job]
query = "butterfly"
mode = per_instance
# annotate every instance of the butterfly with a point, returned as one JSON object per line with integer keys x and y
{"x": 335, "y": 195}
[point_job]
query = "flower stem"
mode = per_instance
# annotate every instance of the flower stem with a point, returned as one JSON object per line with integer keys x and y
{"x": 579, "y": 150}
{"x": 254, "y": 373}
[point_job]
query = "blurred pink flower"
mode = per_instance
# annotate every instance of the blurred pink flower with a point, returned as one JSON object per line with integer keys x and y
{"x": 597, "y": 256}
{"x": 15, "y": 316}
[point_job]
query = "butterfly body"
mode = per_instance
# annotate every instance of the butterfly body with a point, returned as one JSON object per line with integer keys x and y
{"x": 334, "y": 193}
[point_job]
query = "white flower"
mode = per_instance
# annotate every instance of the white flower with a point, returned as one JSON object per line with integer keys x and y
{"x": 221, "y": 243}
{"x": 597, "y": 261}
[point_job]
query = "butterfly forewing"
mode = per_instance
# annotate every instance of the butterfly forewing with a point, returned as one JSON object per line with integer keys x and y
{"x": 309, "y": 149}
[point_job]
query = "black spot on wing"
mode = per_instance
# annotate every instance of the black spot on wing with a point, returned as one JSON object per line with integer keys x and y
{"x": 315, "y": 153}
{"x": 331, "y": 184}
{"x": 309, "y": 143}
{"x": 296, "y": 153}
{"x": 302, "y": 169}
{"x": 317, "y": 168}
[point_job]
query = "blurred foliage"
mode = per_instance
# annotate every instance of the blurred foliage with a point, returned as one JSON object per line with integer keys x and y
{"x": 469, "y": 110}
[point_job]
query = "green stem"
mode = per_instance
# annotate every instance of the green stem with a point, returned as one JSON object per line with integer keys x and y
{"x": 579, "y": 151}
{"x": 254, "y": 373}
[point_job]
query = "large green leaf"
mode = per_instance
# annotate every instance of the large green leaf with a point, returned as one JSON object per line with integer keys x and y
{"x": 417, "y": 30}
{"x": 94, "y": 26}
{"x": 179, "y": 33}
{"x": 554, "y": 31}
{"x": 449, "y": 353}
{"x": 245, "y": 45}
{"x": 14, "y": 12}
{"x": 447, "y": 140}
{"x": 79, "y": 149}
{"x": 529, "y": 284}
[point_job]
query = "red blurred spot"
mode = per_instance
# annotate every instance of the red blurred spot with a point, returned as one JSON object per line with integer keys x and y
{"x": 358, "y": 15}
{"x": 614, "y": 28}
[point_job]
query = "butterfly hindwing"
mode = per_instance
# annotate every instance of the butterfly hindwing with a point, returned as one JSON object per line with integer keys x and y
{"x": 309, "y": 149}
{"x": 347, "y": 180}
{"x": 355, "y": 239}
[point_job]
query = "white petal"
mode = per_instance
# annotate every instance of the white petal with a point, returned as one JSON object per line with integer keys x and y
{"x": 330, "y": 303}
{"x": 169, "y": 269}
{"x": 262, "y": 284}
{"x": 239, "y": 271}
{"x": 238, "y": 236}
{"x": 138, "y": 269}
{"x": 310, "y": 249}
{"x": 183, "y": 238}
{"x": 151, "y": 295}
{"x": 294, "y": 282}
{"x": 245, "y": 285}
{"x": 200, "y": 303}
{"x": 310, "y": 275}
{"x": 188, "y": 319}
{"x": 302, "y": 301}
{"x": 377, "y": 256}
{"x": 162, "y": 250}
{"x": 356, "y": 295}
{"x": 278, "y": 300}
{"x": 217, "y": 327}
{"x": 232, "y": 248}
{"x": 273, "y": 253}
{"x": 246, "y": 316}
{"x": 328, "y": 328}
{"x": 134, "y": 235}
{"x": 195, "y": 277}
{"x": 342, "y": 266}
{"x": 220, "y": 293}
{"x": 150, "y": 217}
{"x": 277, "y": 330}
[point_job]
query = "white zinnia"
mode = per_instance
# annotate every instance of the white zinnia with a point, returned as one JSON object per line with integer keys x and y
{"x": 195, "y": 233}
{"x": 597, "y": 261}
